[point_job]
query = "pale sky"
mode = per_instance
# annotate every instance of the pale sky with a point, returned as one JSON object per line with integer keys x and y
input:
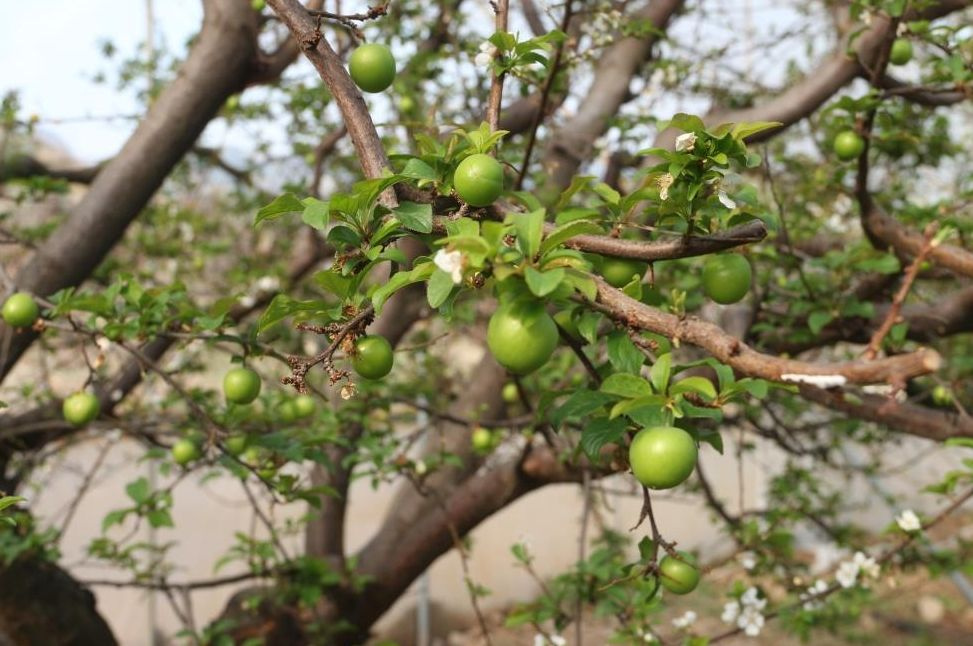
{"x": 50, "y": 51}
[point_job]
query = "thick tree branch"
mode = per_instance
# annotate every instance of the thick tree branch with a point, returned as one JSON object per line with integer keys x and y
{"x": 741, "y": 357}
{"x": 885, "y": 230}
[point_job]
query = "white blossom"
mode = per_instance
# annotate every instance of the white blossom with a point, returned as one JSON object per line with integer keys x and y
{"x": 821, "y": 381}
{"x": 725, "y": 200}
{"x": 814, "y": 603}
{"x": 685, "y": 142}
{"x": 487, "y": 52}
{"x": 847, "y": 574}
{"x": 751, "y": 600}
{"x": 686, "y": 620}
{"x": 751, "y": 621}
{"x": 908, "y": 521}
{"x": 450, "y": 262}
{"x": 665, "y": 181}
{"x": 748, "y": 560}
{"x": 866, "y": 565}
{"x": 268, "y": 283}
{"x": 552, "y": 640}
{"x": 247, "y": 301}
{"x": 731, "y": 610}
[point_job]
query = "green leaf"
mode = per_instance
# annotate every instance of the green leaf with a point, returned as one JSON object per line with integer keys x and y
{"x": 9, "y": 501}
{"x": 417, "y": 217}
{"x": 660, "y": 372}
{"x": 283, "y": 306}
{"x": 580, "y": 404}
{"x": 116, "y": 517}
{"x": 530, "y": 229}
{"x": 699, "y": 385}
{"x": 886, "y": 264}
{"x": 331, "y": 281}
{"x": 711, "y": 437}
{"x": 417, "y": 169}
{"x": 622, "y": 353}
{"x": 599, "y": 432}
{"x": 439, "y": 288}
{"x": 282, "y": 205}
{"x": 743, "y": 130}
{"x": 817, "y": 320}
{"x": 159, "y": 518}
{"x": 542, "y": 283}
{"x": 626, "y": 385}
{"x": 566, "y": 232}
{"x": 578, "y": 182}
{"x": 317, "y": 213}
{"x": 398, "y": 281}
{"x": 631, "y": 406}
{"x": 687, "y": 123}
{"x": 138, "y": 491}
{"x": 966, "y": 442}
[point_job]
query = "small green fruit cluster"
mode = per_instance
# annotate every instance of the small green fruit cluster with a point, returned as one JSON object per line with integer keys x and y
{"x": 297, "y": 408}
{"x": 185, "y": 451}
{"x": 20, "y": 310}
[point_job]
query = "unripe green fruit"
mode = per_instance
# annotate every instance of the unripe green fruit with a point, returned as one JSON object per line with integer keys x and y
{"x": 482, "y": 440}
{"x": 662, "y": 457}
{"x": 20, "y": 310}
{"x": 288, "y": 411}
{"x": 304, "y": 406}
{"x": 185, "y": 451}
{"x": 848, "y": 145}
{"x": 372, "y": 67}
{"x": 80, "y": 409}
{"x": 619, "y": 272}
{"x": 236, "y": 444}
{"x": 679, "y": 575}
{"x": 373, "y": 357}
{"x": 510, "y": 393}
{"x": 522, "y": 336}
{"x": 726, "y": 278}
{"x": 901, "y": 52}
{"x": 478, "y": 180}
{"x": 241, "y": 385}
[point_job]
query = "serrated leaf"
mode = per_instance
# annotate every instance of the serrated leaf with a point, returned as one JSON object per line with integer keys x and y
{"x": 626, "y": 385}
{"x": 542, "y": 283}
{"x": 283, "y": 306}
{"x": 417, "y": 169}
{"x": 317, "y": 213}
{"x": 566, "y": 232}
{"x": 530, "y": 230}
{"x": 600, "y": 432}
{"x": 414, "y": 216}
{"x": 660, "y": 372}
{"x": 400, "y": 280}
{"x": 580, "y": 404}
{"x": 699, "y": 385}
{"x": 282, "y": 205}
{"x": 622, "y": 353}
{"x": 439, "y": 288}
{"x": 138, "y": 490}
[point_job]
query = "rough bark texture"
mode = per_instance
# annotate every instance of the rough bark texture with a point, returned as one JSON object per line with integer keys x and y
{"x": 217, "y": 66}
{"x": 41, "y": 605}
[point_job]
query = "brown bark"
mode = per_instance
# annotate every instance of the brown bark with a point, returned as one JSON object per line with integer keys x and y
{"x": 41, "y": 604}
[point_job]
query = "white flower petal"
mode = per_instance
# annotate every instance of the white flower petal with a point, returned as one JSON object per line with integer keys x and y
{"x": 450, "y": 262}
{"x": 725, "y": 200}
{"x": 908, "y": 521}
{"x": 686, "y": 142}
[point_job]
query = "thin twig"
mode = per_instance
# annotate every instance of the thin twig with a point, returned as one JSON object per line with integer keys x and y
{"x": 875, "y": 344}
{"x": 502, "y": 8}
